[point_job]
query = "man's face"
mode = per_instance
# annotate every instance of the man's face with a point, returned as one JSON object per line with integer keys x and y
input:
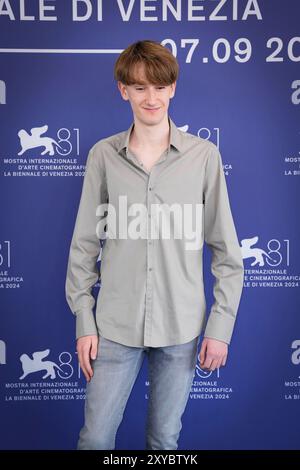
{"x": 149, "y": 102}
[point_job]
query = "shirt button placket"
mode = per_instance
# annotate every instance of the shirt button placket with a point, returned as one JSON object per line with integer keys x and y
{"x": 149, "y": 288}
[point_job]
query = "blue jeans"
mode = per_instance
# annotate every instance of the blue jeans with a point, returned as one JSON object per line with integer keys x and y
{"x": 171, "y": 373}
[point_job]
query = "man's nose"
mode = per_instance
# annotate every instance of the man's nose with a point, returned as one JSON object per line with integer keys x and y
{"x": 151, "y": 95}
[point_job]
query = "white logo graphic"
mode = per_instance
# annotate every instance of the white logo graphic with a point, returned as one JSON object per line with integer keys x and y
{"x": 33, "y": 140}
{"x": 295, "y": 98}
{"x": 37, "y": 364}
{"x": 296, "y": 353}
{"x": 204, "y": 374}
{"x": 2, "y": 352}
{"x": 183, "y": 128}
{"x": 2, "y": 92}
{"x": 249, "y": 252}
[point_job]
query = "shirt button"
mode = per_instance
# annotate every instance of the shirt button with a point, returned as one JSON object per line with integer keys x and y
{"x": 150, "y": 189}
{"x": 150, "y": 269}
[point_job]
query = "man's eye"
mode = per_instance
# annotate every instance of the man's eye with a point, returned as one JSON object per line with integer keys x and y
{"x": 141, "y": 88}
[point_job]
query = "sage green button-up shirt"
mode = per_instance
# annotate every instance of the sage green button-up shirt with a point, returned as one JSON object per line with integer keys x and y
{"x": 151, "y": 286}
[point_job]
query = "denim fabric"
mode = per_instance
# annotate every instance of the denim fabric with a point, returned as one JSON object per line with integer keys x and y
{"x": 171, "y": 372}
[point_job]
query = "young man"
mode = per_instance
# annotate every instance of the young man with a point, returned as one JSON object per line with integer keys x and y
{"x": 151, "y": 300}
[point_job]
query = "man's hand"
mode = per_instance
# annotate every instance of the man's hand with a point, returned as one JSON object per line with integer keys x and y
{"x": 87, "y": 347}
{"x": 213, "y": 354}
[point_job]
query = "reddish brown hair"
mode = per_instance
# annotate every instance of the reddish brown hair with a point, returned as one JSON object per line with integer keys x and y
{"x": 160, "y": 66}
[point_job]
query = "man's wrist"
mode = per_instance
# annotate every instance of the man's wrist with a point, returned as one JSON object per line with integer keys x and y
{"x": 85, "y": 323}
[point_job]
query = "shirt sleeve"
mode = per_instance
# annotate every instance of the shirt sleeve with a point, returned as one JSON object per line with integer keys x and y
{"x": 227, "y": 261}
{"x": 82, "y": 270}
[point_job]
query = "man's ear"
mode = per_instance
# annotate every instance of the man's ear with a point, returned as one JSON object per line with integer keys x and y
{"x": 123, "y": 90}
{"x": 173, "y": 88}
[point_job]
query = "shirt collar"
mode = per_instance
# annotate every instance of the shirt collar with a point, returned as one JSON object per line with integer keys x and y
{"x": 175, "y": 137}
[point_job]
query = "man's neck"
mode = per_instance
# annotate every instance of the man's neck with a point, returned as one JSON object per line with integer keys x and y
{"x": 143, "y": 137}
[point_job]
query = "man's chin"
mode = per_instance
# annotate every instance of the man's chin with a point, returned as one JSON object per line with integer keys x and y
{"x": 151, "y": 119}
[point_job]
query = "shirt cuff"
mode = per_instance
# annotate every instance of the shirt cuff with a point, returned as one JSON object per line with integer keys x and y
{"x": 85, "y": 323}
{"x": 219, "y": 327}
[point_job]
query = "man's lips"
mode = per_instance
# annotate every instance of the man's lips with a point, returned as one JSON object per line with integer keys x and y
{"x": 151, "y": 109}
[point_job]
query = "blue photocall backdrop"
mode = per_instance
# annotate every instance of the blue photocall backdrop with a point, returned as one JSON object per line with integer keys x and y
{"x": 239, "y": 86}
